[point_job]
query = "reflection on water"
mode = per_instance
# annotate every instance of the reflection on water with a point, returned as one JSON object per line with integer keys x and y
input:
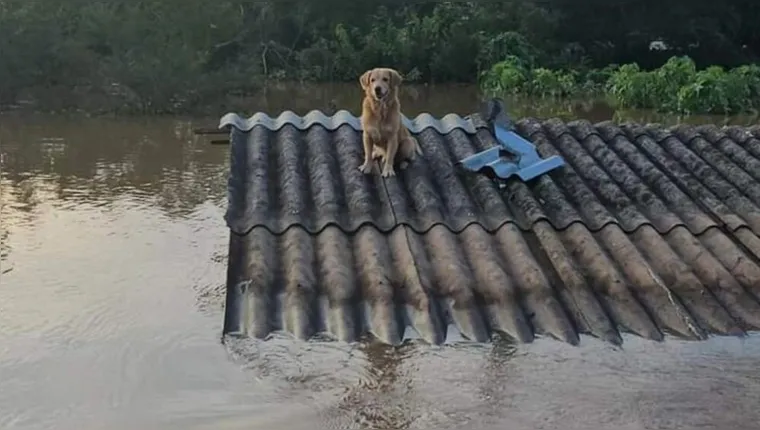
{"x": 548, "y": 385}
{"x": 112, "y": 264}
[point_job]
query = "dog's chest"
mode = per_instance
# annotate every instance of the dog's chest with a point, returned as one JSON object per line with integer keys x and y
{"x": 387, "y": 122}
{"x": 382, "y": 124}
{"x": 387, "y": 129}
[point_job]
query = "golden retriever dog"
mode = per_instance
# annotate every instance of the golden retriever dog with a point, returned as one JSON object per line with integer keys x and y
{"x": 384, "y": 136}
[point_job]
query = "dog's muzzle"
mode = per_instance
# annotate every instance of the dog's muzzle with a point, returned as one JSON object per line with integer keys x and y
{"x": 379, "y": 93}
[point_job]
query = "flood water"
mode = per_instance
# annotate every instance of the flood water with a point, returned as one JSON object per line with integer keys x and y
{"x": 112, "y": 262}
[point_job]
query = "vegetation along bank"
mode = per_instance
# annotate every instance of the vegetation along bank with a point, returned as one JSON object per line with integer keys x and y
{"x": 692, "y": 56}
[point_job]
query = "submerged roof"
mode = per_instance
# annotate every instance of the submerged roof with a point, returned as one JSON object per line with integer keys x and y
{"x": 646, "y": 229}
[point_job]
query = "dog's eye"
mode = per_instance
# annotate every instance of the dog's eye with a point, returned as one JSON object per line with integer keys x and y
{"x": 372, "y": 80}
{"x": 385, "y": 79}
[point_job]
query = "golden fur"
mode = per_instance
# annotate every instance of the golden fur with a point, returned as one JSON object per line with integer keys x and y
{"x": 384, "y": 135}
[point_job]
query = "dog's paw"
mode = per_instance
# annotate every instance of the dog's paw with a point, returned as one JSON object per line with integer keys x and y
{"x": 366, "y": 168}
{"x": 388, "y": 172}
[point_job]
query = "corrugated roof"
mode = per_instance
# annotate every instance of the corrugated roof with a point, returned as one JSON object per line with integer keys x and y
{"x": 646, "y": 229}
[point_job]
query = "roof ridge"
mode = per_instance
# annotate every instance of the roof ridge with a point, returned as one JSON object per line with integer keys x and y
{"x": 444, "y": 125}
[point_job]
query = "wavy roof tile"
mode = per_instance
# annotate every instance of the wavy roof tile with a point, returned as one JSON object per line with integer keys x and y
{"x": 646, "y": 229}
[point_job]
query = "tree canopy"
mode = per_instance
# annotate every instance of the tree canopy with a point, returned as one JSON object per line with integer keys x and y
{"x": 166, "y": 52}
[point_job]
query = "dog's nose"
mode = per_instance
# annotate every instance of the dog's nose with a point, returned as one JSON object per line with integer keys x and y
{"x": 378, "y": 91}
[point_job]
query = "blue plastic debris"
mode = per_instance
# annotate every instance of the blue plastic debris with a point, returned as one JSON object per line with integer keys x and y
{"x": 514, "y": 155}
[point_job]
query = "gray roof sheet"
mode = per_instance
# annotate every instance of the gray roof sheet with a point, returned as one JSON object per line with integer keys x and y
{"x": 647, "y": 229}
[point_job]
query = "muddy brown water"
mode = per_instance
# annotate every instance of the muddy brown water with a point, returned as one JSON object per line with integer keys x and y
{"x": 113, "y": 253}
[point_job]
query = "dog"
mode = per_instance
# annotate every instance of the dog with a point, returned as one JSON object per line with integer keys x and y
{"x": 384, "y": 136}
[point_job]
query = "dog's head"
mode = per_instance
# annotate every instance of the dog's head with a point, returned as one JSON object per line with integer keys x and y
{"x": 380, "y": 83}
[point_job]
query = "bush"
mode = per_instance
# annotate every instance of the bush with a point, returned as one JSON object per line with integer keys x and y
{"x": 510, "y": 76}
{"x": 515, "y": 76}
{"x": 675, "y": 87}
{"x": 678, "y": 87}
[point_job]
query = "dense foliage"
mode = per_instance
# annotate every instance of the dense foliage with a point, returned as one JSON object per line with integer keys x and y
{"x": 169, "y": 54}
{"x": 675, "y": 87}
{"x": 678, "y": 86}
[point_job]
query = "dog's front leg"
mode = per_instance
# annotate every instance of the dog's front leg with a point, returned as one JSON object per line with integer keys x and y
{"x": 366, "y": 168}
{"x": 390, "y": 157}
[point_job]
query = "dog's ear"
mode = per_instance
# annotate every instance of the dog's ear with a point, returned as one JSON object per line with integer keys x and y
{"x": 364, "y": 79}
{"x": 396, "y": 78}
